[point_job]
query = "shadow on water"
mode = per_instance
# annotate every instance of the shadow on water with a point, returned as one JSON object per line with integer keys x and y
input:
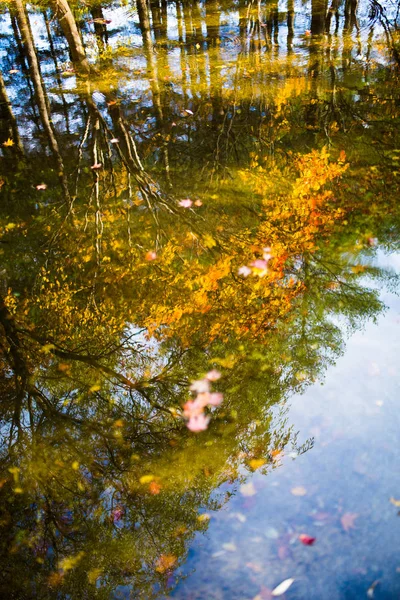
{"x": 198, "y": 204}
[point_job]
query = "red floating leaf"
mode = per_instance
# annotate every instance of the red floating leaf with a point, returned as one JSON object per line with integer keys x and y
{"x": 307, "y": 540}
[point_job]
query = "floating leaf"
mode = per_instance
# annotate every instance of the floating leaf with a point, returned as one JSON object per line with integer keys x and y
{"x": 299, "y": 491}
{"x": 165, "y": 562}
{"x": 154, "y": 488}
{"x": 185, "y": 203}
{"x": 244, "y": 271}
{"x": 198, "y": 423}
{"x": 213, "y": 375}
{"x": 248, "y": 489}
{"x": 230, "y": 547}
{"x": 348, "y": 520}
{"x": 150, "y": 255}
{"x": 307, "y": 540}
{"x": 371, "y": 589}
{"x": 203, "y": 517}
{"x": 395, "y": 502}
{"x": 255, "y": 463}
{"x": 146, "y": 478}
{"x": 8, "y": 143}
{"x": 282, "y": 587}
{"x": 41, "y": 186}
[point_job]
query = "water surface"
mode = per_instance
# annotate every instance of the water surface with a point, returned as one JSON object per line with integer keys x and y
{"x": 199, "y": 342}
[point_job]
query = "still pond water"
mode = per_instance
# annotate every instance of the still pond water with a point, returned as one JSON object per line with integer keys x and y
{"x": 199, "y": 326}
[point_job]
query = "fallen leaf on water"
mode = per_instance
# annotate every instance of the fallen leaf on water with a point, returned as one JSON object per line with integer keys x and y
{"x": 307, "y": 540}
{"x": 248, "y": 489}
{"x": 239, "y": 517}
{"x": 93, "y": 575}
{"x": 394, "y": 501}
{"x": 244, "y": 271}
{"x": 299, "y": 491}
{"x": 12, "y": 71}
{"x": 255, "y": 463}
{"x": 213, "y": 375}
{"x": 348, "y": 520}
{"x": 165, "y": 562}
{"x": 41, "y": 186}
{"x": 198, "y": 423}
{"x": 154, "y": 488}
{"x": 282, "y": 587}
{"x": 114, "y": 140}
{"x": 188, "y": 111}
{"x": 198, "y": 203}
{"x": 230, "y": 546}
{"x": 276, "y": 454}
{"x": 283, "y": 552}
{"x": 150, "y": 255}
{"x": 96, "y": 166}
{"x": 8, "y": 143}
{"x": 203, "y": 517}
{"x": 186, "y": 203}
{"x": 371, "y": 589}
{"x": 255, "y": 567}
{"x": 146, "y": 479}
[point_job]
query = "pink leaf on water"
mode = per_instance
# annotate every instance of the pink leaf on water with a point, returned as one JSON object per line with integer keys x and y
{"x": 213, "y": 375}
{"x": 245, "y": 271}
{"x": 201, "y": 385}
{"x": 198, "y": 423}
{"x": 215, "y": 399}
{"x": 259, "y": 264}
{"x": 186, "y": 203}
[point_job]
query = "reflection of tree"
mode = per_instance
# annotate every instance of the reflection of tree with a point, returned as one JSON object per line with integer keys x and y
{"x": 99, "y": 337}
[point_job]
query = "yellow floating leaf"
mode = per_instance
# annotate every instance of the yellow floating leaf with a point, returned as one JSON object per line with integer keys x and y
{"x": 95, "y": 388}
{"x": 47, "y": 348}
{"x": 255, "y": 463}
{"x": 8, "y": 143}
{"x": 146, "y": 478}
{"x": 69, "y": 562}
{"x": 395, "y": 502}
{"x": 165, "y": 562}
{"x": 209, "y": 241}
{"x": 93, "y": 575}
{"x": 203, "y": 517}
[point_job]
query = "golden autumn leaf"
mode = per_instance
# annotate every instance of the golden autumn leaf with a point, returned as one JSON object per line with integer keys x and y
{"x": 165, "y": 562}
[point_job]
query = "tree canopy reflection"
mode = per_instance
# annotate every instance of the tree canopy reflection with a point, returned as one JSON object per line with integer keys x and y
{"x": 133, "y": 239}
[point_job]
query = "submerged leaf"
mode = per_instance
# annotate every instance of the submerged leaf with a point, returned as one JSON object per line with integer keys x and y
{"x": 348, "y": 520}
{"x": 282, "y": 587}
